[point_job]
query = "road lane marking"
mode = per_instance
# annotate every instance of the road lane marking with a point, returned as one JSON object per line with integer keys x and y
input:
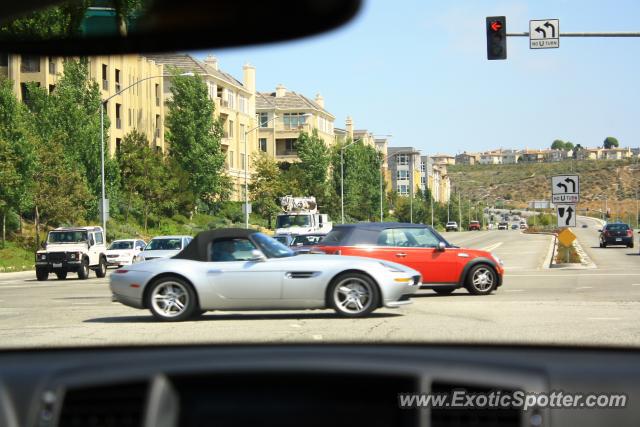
{"x": 26, "y": 286}
{"x": 492, "y": 247}
{"x": 514, "y": 290}
{"x": 317, "y": 337}
{"x": 574, "y": 275}
{"x": 604, "y": 318}
{"x": 295, "y": 325}
{"x": 635, "y": 284}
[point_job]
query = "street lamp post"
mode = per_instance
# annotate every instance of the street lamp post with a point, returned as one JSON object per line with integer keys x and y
{"x": 103, "y": 103}
{"x": 246, "y": 169}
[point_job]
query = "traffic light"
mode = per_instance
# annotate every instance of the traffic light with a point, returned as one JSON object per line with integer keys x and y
{"x": 496, "y": 37}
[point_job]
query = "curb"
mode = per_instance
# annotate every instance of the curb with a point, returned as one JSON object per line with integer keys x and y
{"x": 585, "y": 264}
{"x": 548, "y": 260}
{"x": 17, "y": 269}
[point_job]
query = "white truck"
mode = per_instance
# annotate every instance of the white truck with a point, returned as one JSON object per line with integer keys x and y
{"x": 72, "y": 249}
{"x": 301, "y": 216}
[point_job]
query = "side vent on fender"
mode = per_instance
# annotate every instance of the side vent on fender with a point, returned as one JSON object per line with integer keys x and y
{"x": 301, "y": 274}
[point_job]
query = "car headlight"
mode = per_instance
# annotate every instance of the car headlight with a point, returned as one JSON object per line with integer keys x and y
{"x": 392, "y": 268}
{"x": 72, "y": 256}
{"x": 42, "y": 257}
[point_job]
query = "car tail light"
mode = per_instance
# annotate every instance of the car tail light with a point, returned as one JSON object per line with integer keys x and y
{"x": 630, "y": 233}
{"x": 606, "y": 234}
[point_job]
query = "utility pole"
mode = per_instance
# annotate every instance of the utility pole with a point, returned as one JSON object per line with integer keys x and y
{"x": 459, "y": 212}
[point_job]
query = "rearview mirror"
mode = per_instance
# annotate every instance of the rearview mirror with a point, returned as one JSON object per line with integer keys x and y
{"x": 81, "y": 28}
{"x": 257, "y": 255}
{"x": 441, "y": 246}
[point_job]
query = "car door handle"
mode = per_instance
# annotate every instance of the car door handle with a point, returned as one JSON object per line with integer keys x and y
{"x": 401, "y": 255}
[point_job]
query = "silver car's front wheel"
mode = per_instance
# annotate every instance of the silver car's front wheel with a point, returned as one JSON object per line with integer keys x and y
{"x": 172, "y": 299}
{"x": 354, "y": 295}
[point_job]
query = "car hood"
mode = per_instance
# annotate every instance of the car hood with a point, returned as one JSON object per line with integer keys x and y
{"x": 66, "y": 247}
{"x": 120, "y": 251}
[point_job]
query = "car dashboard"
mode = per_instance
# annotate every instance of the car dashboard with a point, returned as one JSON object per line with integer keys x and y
{"x": 311, "y": 385}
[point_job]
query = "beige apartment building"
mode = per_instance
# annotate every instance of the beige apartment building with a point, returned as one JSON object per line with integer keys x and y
{"x": 283, "y": 114}
{"x": 234, "y": 105}
{"x": 446, "y": 159}
{"x": 141, "y": 107}
{"x": 467, "y": 158}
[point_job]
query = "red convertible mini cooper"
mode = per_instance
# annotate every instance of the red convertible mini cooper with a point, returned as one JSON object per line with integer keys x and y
{"x": 444, "y": 267}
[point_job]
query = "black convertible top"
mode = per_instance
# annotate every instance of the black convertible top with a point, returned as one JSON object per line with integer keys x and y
{"x": 197, "y": 249}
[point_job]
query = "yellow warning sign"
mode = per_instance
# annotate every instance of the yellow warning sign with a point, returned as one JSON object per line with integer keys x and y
{"x": 566, "y": 237}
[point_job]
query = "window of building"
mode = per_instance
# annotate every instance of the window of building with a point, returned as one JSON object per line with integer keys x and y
{"x": 105, "y": 77}
{"x": 402, "y": 175}
{"x": 290, "y": 144}
{"x": 130, "y": 117}
{"x": 403, "y": 189}
{"x": 243, "y": 104}
{"x": 264, "y": 120}
{"x": 231, "y": 164}
{"x": 157, "y": 125}
{"x": 402, "y": 159}
{"x": 262, "y": 143}
{"x": 118, "y": 143}
{"x": 117, "y": 79}
{"x": 52, "y": 88}
{"x": 24, "y": 91}
{"x": 29, "y": 64}
{"x": 422, "y": 166}
{"x": 293, "y": 120}
{"x": 423, "y": 180}
{"x": 230, "y": 128}
{"x": 52, "y": 65}
{"x": 118, "y": 119}
{"x": 4, "y": 59}
{"x": 157, "y": 92}
{"x": 243, "y": 135}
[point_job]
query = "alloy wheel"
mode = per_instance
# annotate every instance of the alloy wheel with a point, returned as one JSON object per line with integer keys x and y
{"x": 483, "y": 279}
{"x": 353, "y": 295}
{"x": 170, "y": 299}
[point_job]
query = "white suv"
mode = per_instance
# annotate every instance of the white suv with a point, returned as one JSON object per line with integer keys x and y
{"x": 451, "y": 226}
{"x": 72, "y": 249}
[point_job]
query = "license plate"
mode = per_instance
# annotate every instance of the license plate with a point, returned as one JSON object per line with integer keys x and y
{"x": 618, "y": 239}
{"x": 57, "y": 265}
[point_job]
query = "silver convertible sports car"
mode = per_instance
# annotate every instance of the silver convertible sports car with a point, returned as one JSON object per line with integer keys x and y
{"x": 238, "y": 269}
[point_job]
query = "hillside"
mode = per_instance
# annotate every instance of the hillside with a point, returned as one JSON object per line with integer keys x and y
{"x": 518, "y": 184}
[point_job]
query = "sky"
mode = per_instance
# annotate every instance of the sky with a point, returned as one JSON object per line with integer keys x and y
{"x": 417, "y": 70}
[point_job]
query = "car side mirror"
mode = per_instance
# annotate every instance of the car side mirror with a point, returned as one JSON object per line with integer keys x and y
{"x": 257, "y": 256}
{"x": 441, "y": 246}
{"x": 91, "y": 241}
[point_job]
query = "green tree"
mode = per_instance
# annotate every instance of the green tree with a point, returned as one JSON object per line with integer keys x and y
{"x": 62, "y": 193}
{"x": 194, "y": 138}
{"x": 610, "y": 142}
{"x": 568, "y": 146}
{"x": 17, "y": 156}
{"x": 55, "y": 22}
{"x": 148, "y": 182}
{"x": 266, "y": 187}
{"x": 315, "y": 159}
{"x": 71, "y": 115}
{"x": 558, "y": 144}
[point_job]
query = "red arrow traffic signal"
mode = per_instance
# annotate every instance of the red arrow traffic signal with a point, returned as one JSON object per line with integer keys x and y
{"x": 496, "y": 25}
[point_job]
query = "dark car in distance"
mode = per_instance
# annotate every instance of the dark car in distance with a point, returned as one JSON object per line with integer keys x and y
{"x": 303, "y": 243}
{"x": 616, "y": 233}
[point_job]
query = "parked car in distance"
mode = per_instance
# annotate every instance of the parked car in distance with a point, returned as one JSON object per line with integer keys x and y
{"x": 240, "y": 269}
{"x": 124, "y": 251}
{"x": 285, "y": 239}
{"x": 515, "y": 226}
{"x": 303, "y": 243}
{"x": 474, "y": 225}
{"x": 503, "y": 225}
{"x": 451, "y": 226}
{"x": 616, "y": 233}
{"x": 163, "y": 247}
{"x": 523, "y": 226}
{"x": 443, "y": 266}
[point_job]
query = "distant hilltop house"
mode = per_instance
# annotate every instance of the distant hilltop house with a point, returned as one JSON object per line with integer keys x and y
{"x": 508, "y": 156}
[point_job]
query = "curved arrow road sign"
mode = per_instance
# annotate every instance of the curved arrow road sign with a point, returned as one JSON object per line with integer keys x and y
{"x": 565, "y": 189}
{"x": 544, "y": 33}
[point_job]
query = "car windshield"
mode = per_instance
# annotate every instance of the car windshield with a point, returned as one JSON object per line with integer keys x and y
{"x": 286, "y": 221}
{"x": 74, "y": 236}
{"x": 121, "y": 244}
{"x": 510, "y": 127}
{"x": 164, "y": 244}
{"x": 305, "y": 240}
{"x": 271, "y": 247}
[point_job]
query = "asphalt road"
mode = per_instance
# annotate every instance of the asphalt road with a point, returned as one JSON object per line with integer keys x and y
{"x": 535, "y": 305}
